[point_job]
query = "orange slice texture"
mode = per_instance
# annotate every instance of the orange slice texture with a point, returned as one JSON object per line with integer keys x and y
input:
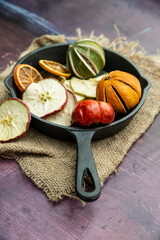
{"x": 25, "y": 74}
{"x": 55, "y": 68}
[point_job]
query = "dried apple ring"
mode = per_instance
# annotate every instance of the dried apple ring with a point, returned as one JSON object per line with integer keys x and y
{"x": 46, "y": 97}
{"x": 15, "y": 119}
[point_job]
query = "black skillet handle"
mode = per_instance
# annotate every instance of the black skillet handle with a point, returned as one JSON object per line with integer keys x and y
{"x": 86, "y": 166}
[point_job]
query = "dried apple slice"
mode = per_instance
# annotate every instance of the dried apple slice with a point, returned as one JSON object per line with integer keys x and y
{"x": 64, "y": 117}
{"x": 67, "y": 83}
{"x": 15, "y": 118}
{"x": 86, "y": 88}
{"x": 46, "y": 97}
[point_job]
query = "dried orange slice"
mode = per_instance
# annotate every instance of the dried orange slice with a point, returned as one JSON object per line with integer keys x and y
{"x": 25, "y": 74}
{"x": 55, "y": 68}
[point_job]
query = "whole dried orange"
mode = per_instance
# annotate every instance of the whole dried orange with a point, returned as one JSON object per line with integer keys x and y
{"x": 55, "y": 68}
{"x": 25, "y": 74}
{"x": 121, "y": 89}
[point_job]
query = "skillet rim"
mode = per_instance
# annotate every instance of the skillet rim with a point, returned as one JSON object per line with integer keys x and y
{"x": 80, "y": 128}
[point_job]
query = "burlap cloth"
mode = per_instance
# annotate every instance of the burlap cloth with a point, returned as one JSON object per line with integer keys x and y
{"x": 51, "y": 163}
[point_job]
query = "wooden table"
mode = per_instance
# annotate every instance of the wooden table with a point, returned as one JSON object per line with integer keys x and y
{"x": 129, "y": 205}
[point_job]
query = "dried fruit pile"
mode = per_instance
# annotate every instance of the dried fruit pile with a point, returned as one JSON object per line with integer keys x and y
{"x": 88, "y": 97}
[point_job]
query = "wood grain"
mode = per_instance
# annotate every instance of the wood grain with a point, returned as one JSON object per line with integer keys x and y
{"x": 26, "y": 19}
{"x": 131, "y": 17}
{"x": 129, "y": 206}
{"x": 14, "y": 40}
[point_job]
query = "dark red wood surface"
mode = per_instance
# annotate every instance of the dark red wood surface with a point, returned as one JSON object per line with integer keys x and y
{"x": 129, "y": 205}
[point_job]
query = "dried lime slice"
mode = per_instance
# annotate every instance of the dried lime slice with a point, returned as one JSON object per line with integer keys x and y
{"x": 15, "y": 118}
{"x": 46, "y": 97}
{"x": 64, "y": 116}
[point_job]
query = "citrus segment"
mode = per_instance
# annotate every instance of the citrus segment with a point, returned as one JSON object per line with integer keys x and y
{"x": 55, "y": 68}
{"x": 25, "y": 74}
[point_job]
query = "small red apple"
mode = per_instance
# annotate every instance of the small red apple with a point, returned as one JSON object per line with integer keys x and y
{"x": 89, "y": 111}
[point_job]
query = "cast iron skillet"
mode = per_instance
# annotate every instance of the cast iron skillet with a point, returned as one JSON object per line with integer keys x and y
{"x": 82, "y": 135}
